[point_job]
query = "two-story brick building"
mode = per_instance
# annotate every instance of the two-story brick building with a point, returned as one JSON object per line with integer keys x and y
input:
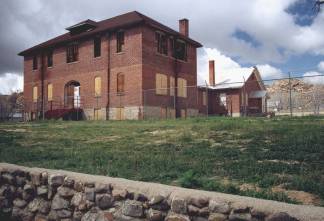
{"x": 104, "y": 67}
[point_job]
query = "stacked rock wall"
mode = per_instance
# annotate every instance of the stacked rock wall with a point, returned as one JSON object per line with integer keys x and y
{"x": 39, "y": 194}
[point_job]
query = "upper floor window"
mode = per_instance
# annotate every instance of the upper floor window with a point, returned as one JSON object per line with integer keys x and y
{"x": 72, "y": 52}
{"x": 50, "y": 59}
{"x": 180, "y": 50}
{"x": 120, "y": 41}
{"x": 162, "y": 43}
{"x": 120, "y": 83}
{"x": 35, "y": 63}
{"x": 97, "y": 47}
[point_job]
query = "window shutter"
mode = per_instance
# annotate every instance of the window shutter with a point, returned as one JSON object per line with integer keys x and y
{"x": 49, "y": 92}
{"x": 172, "y": 86}
{"x": 35, "y": 94}
{"x": 184, "y": 87}
{"x": 120, "y": 83}
{"x": 98, "y": 86}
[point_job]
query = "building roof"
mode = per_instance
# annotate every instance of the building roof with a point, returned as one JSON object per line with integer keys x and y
{"x": 235, "y": 78}
{"x": 111, "y": 24}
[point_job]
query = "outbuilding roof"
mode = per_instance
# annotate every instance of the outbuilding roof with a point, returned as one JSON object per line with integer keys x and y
{"x": 121, "y": 21}
{"x": 235, "y": 78}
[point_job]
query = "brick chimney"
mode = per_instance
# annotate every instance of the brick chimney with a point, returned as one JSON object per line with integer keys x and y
{"x": 212, "y": 72}
{"x": 184, "y": 27}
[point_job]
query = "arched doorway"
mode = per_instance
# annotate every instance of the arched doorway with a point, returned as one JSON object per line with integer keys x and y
{"x": 72, "y": 97}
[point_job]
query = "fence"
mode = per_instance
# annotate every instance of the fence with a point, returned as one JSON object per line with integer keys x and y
{"x": 286, "y": 96}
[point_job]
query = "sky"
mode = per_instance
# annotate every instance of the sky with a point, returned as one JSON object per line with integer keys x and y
{"x": 277, "y": 36}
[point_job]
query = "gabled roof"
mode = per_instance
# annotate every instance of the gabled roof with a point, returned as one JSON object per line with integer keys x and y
{"x": 235, "y": 78}
{"x": 111, "y": 24}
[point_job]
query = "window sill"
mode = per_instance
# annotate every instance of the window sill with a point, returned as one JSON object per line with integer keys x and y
{"x": 50, "y": 67}
{"x": 73, "y": 62}
{"x": 99, "y": 57}
{"x": 120, "y": 93}
{"x": 120, "y": 53}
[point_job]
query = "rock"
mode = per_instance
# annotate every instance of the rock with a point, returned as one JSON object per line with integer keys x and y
{"x": 89, "y": 184}
{"x": 35, "y": 178}
{"x": 78, "y": 186}
{"x": 39, "y": 205}
{"x": 119, "y": 194}
{"x": 258, "y": 214}
{"x": 219, "y": 207}
{"x": 40, "y": 218}
{"x": 52, "y": 215}
{"x": 241, "y": 209}
{"x": 140, "y": 197}
{"x": 20, "y": 181}
{"x": 7, "y": 192}
{"x": 177, "y": 217}
{"x": 204, "y": 211}
{"x": 68, "y": 182}
{"x": 55, "y": 180}
{"x": 198, "y": 218}
{"x": 199, "y": 202}
{"x": 155, "y": 215}
{"x": 156, "y": 199}
{"x": 64, "y": 213}
{"x": 162, "y": 206}
{"x": 281, "y": 217}
{"x": 192, "y": 210}
{"x": 179, "y": 205}
{"x": 217, "y": 217}
{"x": 19, "y": 203}
{"x": 8, "y": 178}
{"x": 102, "y": 188}
{"x": 60, "y": 203}
{"x": 77, "y": 199}
{"x": 132, "y": 208}
{"x": 44, "y": 178}
{"x": 104, "y": 201}
{"x": 90, "y": 194}
{"x": 42, "y": 191}
{"x": 29, "y": 188}
{"x": 240, "y": 217}
{"x": 97, "y": 215}
{"x": 21, "y": 214}
{"x": 44, "y": 207}
{"x": 65, "y": 192}
{"x": 77, "y": 215}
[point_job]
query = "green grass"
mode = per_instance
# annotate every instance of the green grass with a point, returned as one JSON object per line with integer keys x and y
{"x": 218, "y": 154}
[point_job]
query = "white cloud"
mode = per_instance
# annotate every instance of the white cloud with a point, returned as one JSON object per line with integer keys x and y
{"x": 10, "y": 83}
{"x": 224, "y": 63}
{"x": 313, "y": 78}
{"x": 320, "y": 66}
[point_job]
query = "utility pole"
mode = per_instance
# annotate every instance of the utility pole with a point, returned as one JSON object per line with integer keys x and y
{"x": 290, "y": 100}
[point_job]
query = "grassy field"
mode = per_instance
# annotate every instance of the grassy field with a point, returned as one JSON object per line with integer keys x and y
{"x": 280, "y": 159}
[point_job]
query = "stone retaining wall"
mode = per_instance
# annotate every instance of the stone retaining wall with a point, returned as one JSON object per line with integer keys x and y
{"x": 41, "y": 194}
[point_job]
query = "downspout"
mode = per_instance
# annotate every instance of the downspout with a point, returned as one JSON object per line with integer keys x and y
{"x": 176, "y": 110}
{"x": 108, "y": 77}
{"x": 42, "y": 85}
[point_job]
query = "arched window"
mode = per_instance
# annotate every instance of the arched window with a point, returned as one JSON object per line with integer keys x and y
{"x": 49, "y": 92}
{"x": 97, "y": 86}
{"x": 120, "y": 83}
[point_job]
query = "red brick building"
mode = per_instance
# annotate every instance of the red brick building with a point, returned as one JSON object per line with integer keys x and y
{"x": 235, "y": 92}
{"x": 104, "y": 67}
